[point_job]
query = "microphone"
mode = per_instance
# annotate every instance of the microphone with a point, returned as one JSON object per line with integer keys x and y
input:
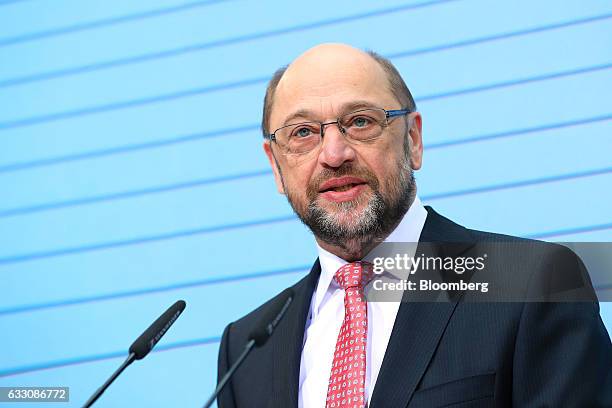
{"x": 257, "y": 337}
{"x": 143, "y": 345}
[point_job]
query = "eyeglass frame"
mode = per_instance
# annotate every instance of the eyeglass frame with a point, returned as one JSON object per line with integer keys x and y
{"x": 392, "y": 113}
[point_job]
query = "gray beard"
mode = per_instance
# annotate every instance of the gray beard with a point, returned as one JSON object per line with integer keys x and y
{"x": 376, "y": 221}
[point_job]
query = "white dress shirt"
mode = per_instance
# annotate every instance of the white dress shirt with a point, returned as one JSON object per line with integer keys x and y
{"x": 327, "y": 312}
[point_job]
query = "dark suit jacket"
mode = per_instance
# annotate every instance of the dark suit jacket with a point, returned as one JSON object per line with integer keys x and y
{"x": 457, "y": 353}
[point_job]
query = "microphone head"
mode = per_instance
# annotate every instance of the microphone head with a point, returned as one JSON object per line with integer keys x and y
{"x": 270, "y": 319}
{"x": 147, "y": 340}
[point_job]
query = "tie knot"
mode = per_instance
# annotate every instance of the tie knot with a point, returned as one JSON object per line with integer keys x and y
{"x": 354, "y": 275}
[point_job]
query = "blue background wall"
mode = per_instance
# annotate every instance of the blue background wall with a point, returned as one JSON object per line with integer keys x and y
{"x": 131, "y": 170}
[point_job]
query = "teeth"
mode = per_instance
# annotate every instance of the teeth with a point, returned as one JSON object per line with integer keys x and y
{"x": 344, "y": 188}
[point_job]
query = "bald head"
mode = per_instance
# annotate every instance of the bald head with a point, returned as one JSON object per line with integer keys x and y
{"x": 328, "y": 68}
{"x": 322, "y": 65}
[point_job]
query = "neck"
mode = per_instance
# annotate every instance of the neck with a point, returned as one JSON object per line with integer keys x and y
{"x": 355, "y": 249}
{"x": 352, "y": 251}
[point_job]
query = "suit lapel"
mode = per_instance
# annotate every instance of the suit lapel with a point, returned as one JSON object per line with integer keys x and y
{"x": 288, "y": 342}
{"x": 416, "y": 333}
{"x": 419, "y": 325}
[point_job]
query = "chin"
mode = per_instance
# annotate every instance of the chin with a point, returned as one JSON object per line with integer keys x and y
{"x": 348, "y": 214}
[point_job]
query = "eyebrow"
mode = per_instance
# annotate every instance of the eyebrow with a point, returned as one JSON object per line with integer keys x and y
{"x": 308, "y": 114}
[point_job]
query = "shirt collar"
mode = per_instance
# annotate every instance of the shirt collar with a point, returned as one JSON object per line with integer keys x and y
{"x": 408, "y": 230}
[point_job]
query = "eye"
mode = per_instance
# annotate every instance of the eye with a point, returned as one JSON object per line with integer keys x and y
{"x": 302, "y": 132}
{"x": 361, "y": 121}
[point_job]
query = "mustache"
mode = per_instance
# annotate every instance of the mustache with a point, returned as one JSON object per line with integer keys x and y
{"x": 346, "y": 169}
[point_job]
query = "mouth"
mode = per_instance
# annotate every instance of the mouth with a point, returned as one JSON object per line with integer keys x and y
{"x": 342, "y": 188}
{"x": 345, "y": 187}
{"x": 341, "y": 184}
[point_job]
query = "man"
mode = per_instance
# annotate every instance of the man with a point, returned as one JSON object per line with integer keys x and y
{"x": 343, "y": 138}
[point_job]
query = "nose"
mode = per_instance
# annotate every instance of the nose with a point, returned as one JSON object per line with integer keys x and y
{"x": 335, "y": 149}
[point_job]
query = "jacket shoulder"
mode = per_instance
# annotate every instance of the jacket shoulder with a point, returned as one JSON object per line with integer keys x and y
{"x": 542, "y": 270}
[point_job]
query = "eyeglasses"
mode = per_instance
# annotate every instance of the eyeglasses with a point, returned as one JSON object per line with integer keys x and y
{"x": 359, "y": 126}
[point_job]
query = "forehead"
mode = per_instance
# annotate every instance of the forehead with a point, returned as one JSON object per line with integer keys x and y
{"x": 325, "y": 86}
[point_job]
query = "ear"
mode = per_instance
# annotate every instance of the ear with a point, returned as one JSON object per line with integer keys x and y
{"x": 275, "y": 167}
{"x": 416, "y": 145}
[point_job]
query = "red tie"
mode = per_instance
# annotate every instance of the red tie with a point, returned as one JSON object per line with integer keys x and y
{"x": 346, "y": 387}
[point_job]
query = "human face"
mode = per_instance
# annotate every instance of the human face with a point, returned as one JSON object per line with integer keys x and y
{"x": 345, "y": 191}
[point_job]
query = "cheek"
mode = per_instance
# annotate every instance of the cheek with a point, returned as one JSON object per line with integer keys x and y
{"x": 385, "y": 175}
{"x": 383, "y": 161}
{"x": 386, "y": 167}
{"x": 297, "y": 179}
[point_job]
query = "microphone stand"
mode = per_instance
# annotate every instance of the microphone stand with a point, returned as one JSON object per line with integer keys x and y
{"x": 129, "y": 360}
{"x": 249, "y": 346}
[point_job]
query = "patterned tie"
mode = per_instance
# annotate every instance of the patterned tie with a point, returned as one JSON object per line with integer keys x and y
{"x": 346, "y": 387}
